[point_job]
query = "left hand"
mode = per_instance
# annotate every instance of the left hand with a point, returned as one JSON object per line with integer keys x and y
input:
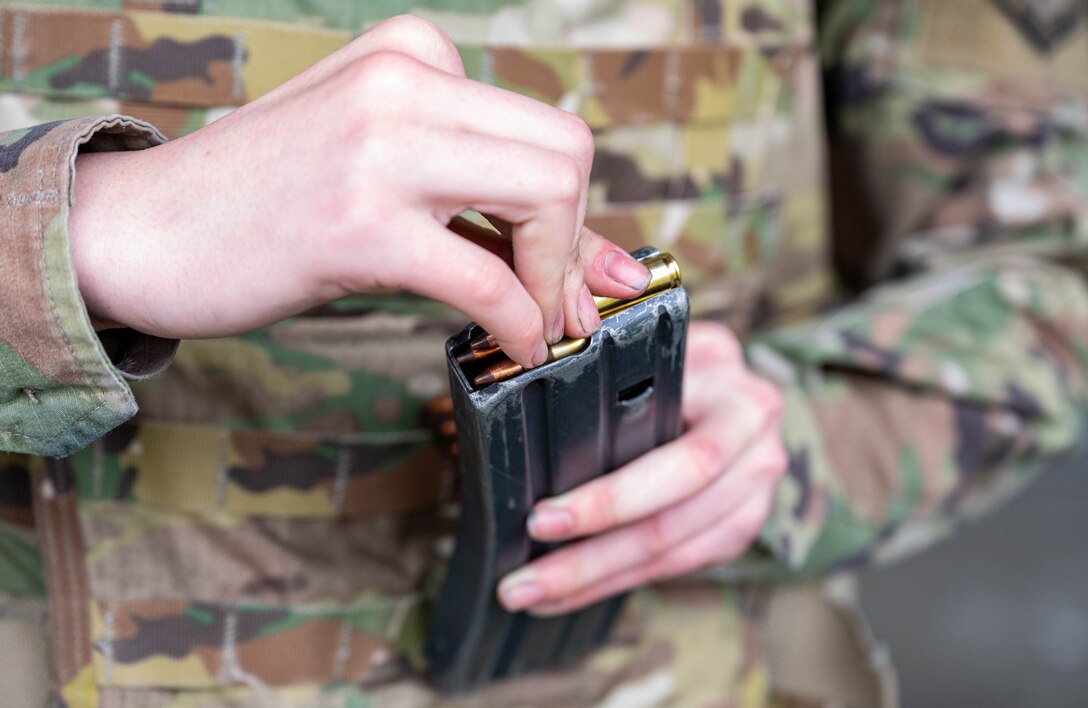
{"x": 698, "y": 501}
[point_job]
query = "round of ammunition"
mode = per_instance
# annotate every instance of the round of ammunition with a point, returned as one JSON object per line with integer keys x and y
{"x": 664, "y": 274}
{"x": 470, "y": 355}
{"x": 507, "y": 369}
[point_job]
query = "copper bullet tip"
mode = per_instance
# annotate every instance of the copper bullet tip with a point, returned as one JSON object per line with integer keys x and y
{"x": 502, "y": 371}
{"x": 470, "y": 355}
{"x": 439, "y": 405}
{"x": 485, "y": 379}
{"x": 484, "y": 341}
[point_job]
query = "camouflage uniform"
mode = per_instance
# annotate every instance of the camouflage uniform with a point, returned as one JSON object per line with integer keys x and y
{"x": 270, "y": 528}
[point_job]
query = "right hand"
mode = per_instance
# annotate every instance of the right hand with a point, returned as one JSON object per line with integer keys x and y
{"x": 345, "y": 179}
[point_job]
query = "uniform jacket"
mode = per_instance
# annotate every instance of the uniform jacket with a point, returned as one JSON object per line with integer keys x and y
{"x": 270, "y": 526}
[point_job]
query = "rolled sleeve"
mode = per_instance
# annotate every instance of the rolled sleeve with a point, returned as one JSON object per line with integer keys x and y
{"x": 923, "y": 405}
{"x": 61, "y": 386}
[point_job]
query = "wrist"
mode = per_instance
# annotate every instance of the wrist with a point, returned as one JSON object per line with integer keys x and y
{"x": 106, "y": 214}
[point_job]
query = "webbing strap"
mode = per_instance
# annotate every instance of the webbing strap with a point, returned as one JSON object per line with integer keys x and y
{"x": 57, "y": 521}
{"x": 191, "y": 60}
{"x": 179, "y": 644}
{"x": 820, "y": 649}
{"x": 153, "y": 56}
{"x": 263, "y": 473}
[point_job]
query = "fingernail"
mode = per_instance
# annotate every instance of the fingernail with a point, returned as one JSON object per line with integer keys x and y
{"x": 557, "y": 328}
{"x": 541, "y": 354}
{"x": 588, "y": 316}
{"x": 521, "y": 596}
{"x": 545, "y": 523}
{"x": 626, "y": 271}
{"x": 518, "y": 590}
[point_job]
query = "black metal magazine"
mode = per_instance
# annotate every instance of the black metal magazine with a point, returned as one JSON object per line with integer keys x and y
{"x": 539, "y": 434}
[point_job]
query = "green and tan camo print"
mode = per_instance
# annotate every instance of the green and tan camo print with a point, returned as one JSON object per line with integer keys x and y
{"x": 272, "y": 526}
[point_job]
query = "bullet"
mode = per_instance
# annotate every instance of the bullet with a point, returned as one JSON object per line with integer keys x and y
{"x": 498, "y": 372}
{"x": 664, "y": 274}
{"x": 439, "y": 406}
{"x": 507, "y": 369}
{"x": 470, "y": 355}
{"x": 484, "y": 341}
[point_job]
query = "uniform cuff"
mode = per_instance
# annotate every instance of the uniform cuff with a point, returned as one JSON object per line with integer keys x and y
{"x": 61, "y": 387}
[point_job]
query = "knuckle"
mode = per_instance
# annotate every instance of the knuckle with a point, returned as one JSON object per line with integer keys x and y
{"x": 532, "y": 329}
{"x": 676, "y": 562}
{"x": 490, "y": 287}
{"x": 717, "y": 345}
{"x": 581, "y": 137}
{"x": 565, "y": 180}
{"x": 382, "y": 74}
{"x": 521, "y": 334}
{"x": 565, "y": 571}
{"x": 688, "y": 560}
{"x": 656, "y": 535}
{"x": 602, "y": 509}
{"x": 705, "y": 457}
{"x": 748, "y": 527}
{"x": 406, "y": 27}
{"x": 422, "y": 37}
{"x": 768, "y": 397}
{"x": 775, "y": 461}
{"x": 655, "y": 570}
{"x": 733, "y": 541}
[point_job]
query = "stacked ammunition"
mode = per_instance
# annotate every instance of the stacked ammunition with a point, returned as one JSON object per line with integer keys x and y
{"x": 482, "y": 359}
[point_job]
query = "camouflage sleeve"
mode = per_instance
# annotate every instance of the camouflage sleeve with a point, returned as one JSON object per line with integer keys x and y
{"x": 61, "y": 387}
{"x": 956, "y": 128}
{"x": 923, "y": 404}
{"x": 959, "y": 144}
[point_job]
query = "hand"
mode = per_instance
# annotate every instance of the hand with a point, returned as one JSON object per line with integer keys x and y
{"x": 695, "y": 502}
{"x": 345, "y": 179}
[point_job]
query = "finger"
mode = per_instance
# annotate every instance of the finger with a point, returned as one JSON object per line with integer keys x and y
{"x": 663, "y": 476}
{"x": 409, "y": 34}
{"x": 542, "y": 257}
{"x": 441, "y": 266}
{"x": 535, "y": 189}
{"x": 609, "y": 270}
{"x": 721, "y": 543}
{"x": 578, "y": 566}
{"x": 464, "y": 107}
{"x": 603, "y": 269}
{"x": 509, "y": 116}
{"x": 711, "y": 345}
{"x": 470, "y": 106}
{"x": 713, "y": 360}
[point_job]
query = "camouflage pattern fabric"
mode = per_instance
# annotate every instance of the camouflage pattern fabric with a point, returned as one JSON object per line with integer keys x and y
{"x": 270, "y": 528}
{"x": 963, "y": 142}
{"x": 60, "y": 390}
